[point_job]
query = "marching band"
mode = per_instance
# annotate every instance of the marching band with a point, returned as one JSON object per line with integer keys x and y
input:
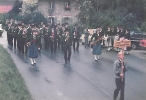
{"x": 52, "y": 37}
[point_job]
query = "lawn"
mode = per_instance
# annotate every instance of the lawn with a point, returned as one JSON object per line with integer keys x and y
{"x": 12, "y": 85}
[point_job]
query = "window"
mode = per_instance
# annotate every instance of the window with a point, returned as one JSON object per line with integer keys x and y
{"x": 66, "y": 19}
{"x": 67, "y": 5}
{"x": 51, "y": 7}
{"x": 51, "y": 19}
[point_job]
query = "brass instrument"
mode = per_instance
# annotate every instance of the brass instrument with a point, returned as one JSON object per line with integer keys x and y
{"x": 101, "y": 38}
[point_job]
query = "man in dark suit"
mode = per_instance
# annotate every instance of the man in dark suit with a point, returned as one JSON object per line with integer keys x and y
{"x": 8, "y": 29}
{"x": 53, "y": 39}
{"x": 67, "y": 46}
{"x": 76, "y": 38}
{"x": 46, "y": 38}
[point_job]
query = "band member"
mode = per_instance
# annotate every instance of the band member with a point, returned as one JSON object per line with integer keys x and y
{"x": 46, "y": 39}
{"x": 120, "y": 67}
{"x": 76, "y": 37}
{"x": 86, "y": 33}
{"x": 58, "y": 36}
{"x": 18, "y": 35}
{"x": 62, "y": 38}
{"x": 53, "y": 39}
{"x": 13, "y": 36}
{"x": 42, "y": 30}
{"x": 96, "y": 44}
{"x": 33, "y": 47}
{"x": 29, "y": 30}
{"x": 67, "y": 46}
{"x": 23, "y": 39}
{"x": 8, "y": 29}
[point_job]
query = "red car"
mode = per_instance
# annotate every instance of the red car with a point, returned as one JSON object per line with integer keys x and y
{"x": 143, "y": 43}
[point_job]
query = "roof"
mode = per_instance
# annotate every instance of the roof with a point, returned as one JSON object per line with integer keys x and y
{"x": 5, "y": 8}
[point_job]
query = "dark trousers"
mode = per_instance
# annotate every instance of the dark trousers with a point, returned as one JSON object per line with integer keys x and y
{"x": 67, "y": 53}
{"x": 62, "y": 46}
{"x": 58, "y": 44}
{"x": 18, "y": 44}
{"x": 46, "y": 42}
{"x": 23, "y": 47}
{"x": 53, "y": 46}
{"x": 11, "y": 40}
{"x": 76, "y": 40}
{"x": 119, "y": 87}
{"x": 15, "y": 40}
{"x": 8, "y": 38}
{"x": 112, "y": 40}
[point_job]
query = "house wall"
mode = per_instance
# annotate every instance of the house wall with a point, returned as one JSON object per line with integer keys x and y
{"x": 59, "y": 13}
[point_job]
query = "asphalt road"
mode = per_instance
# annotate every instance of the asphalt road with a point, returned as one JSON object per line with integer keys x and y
{"x": 83, "y": 78}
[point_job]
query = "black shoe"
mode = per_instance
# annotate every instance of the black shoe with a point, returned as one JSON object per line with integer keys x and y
{"x": 34, "y": 64}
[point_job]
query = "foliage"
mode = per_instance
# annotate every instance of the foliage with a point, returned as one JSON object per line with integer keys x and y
{"x": 143, "y": 26}
{"x": 27, "y": 14}
{"x": 12, "y": 85}
{"x": 114, "y": 13}
{"x": 35, "y": 17}
{"x": 15, "y": 10}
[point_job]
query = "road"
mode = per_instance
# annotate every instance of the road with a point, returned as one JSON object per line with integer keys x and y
{"x": 83, "y": 78}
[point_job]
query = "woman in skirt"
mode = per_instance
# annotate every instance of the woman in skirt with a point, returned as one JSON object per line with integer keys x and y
{"x": 96, "y": 44}
{"x": 33, "y": 44}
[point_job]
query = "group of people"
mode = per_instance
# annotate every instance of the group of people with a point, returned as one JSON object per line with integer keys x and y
{"x": 31, "y": 38}
{"x": 120, "y": 65}
{"x": 106, "y": 38}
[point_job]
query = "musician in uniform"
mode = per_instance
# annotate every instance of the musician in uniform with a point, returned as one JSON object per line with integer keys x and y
{"x": 53, "y": 39}
{"x": 96, "y": 44}
{"x": 62, "y": 37}
{"x": 18, "y": 35}
{"x": 120, "y": 67}
{"x": 67, "y": 46}
{"x": 58, "y": 36}
{"x": 76, "y": 38}
{"x": 12, "y": 36}
{"x": 23, "y": 39}
{"x": 46, "y": 38}
{"x": 8, "y": 29}
{"x": 33, "y": 46}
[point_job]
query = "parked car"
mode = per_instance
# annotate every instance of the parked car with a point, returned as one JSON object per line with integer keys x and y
{"x": 135, "y": 37}
{"x": 143, "y": 43}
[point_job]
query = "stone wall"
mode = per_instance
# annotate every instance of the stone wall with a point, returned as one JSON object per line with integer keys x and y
{"x": 58, "y": 11}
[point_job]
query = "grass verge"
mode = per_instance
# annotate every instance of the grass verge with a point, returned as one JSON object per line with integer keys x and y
{"x": 12, "y": 85}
